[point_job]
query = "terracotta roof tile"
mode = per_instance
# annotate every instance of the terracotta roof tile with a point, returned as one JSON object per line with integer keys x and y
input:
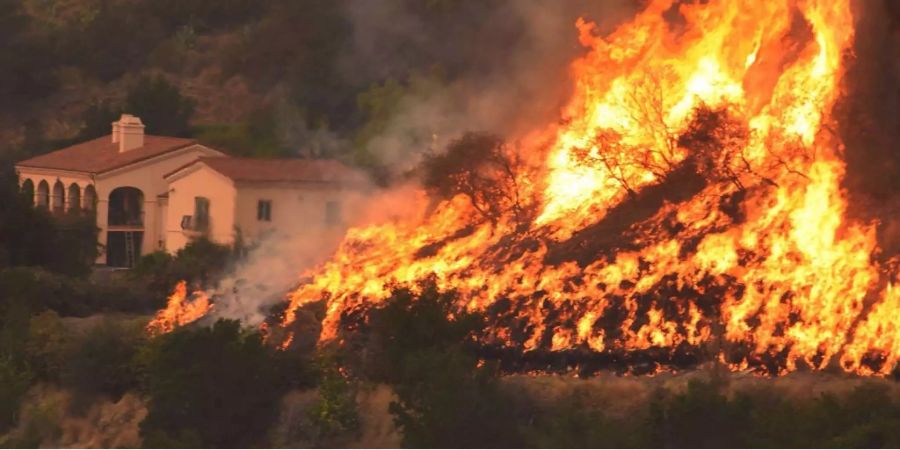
{"x": 251, "y": 170}
{"x": 102, "y": 155}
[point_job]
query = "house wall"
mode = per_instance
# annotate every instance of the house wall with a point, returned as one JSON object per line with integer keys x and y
{"x": 148, "y": 176}
{"x": 296, "y": 208}
{"x": 200, "y": 181}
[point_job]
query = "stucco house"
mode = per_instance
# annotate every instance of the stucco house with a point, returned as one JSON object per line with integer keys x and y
{"x": 152, "y": 193}
{"x": 221, "y": 197}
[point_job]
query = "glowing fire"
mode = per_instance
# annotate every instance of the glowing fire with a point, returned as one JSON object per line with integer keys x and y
{"x": 179, "y": 310}
{"x": 757, "y": 263}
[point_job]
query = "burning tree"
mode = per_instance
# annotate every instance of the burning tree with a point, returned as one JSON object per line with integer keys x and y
{"x": 482, "y": 168}
{"x": 755, "y": 249}
{"x": 716, "y": 141}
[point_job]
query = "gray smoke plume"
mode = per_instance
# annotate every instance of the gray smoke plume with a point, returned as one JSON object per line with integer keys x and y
{"x": 504, "y": 69}
{"x": 504, "y": 65}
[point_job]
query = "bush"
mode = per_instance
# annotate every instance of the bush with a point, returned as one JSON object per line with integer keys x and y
{"x": 101, "y": 361}
{"x": 45, "y": 346}
{"x": 15, "y": 375}
{"x": 446, "y": 397}
{"x": 32, "y": 237}
{"x": 68, "y": 296}
{"x": 573, "y": 423}
{"x": 481, "y": 168}
{"x": 200, "y": 262}
{"x": 334, "y": 416}
{"x": 15, "y": 379}
{"x": 209, "y": 387}
{"x": 160, "y": 106}
{"x": 257, "y": 136}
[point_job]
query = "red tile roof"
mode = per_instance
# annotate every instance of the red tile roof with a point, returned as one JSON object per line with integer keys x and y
{"x": 102, "y": 155}
{"x": 250, "y": 170}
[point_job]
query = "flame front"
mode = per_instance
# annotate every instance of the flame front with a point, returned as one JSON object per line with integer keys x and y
{"x": 180, "y": 310}
{"x": 760, "y": 260}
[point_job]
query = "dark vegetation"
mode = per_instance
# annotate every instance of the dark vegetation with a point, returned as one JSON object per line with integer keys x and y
{"x": 480, "y": 167}
{"x": 221, "y": 385}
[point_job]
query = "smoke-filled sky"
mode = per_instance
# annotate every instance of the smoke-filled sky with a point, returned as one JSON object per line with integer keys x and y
{"x": 504, "y": 63}
{"x": 504, "y": 69}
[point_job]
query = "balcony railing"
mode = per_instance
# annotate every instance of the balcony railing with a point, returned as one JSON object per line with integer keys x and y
{"x": 194, "y": 225}
{"x": 118, "y": 218}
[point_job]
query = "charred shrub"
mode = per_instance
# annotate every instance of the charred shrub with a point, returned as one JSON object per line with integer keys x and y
{"x": 481, "y": 168}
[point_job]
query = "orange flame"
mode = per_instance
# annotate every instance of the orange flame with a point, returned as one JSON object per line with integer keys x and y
{"x": 785, "y": 273}
{"x": 179, "y": 310}
{"x": 758, "y": 263}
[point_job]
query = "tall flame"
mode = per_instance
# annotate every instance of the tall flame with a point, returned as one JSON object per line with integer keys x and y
{"x": 760, "y": 262}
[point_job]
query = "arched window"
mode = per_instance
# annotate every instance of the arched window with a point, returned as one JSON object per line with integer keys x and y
{"x": 73, "y": 199}
{"x": 90, "y": 198}
{"x": 43, "y": 194}
{"x": 59, "y": 197}
{"x": 28, "y": 191}
{"x": 126, "y": 207}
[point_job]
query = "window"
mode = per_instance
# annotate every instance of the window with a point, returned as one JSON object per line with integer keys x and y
{"x": 264, "y": 210}
{"x": 201, "y": 213}
{"x": 333, "y": 213}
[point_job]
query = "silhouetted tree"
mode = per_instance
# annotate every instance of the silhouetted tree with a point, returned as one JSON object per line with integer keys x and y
{"x": 483, "y": 169}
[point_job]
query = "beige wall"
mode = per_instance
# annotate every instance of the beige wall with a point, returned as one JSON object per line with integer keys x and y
{"x": 148, "y": 177}
{"x": 145, "y": 175}
{"x": 200, "y": 181}
{"x": 296, "y": 208}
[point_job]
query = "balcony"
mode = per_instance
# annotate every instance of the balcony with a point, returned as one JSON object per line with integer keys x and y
{"x": 194, "y": 226}
{"x": 126, "y": 219}
{"x": 126, "y": 209}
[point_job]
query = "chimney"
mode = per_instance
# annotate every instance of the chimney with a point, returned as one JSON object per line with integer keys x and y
{"x": 128, "y": 132}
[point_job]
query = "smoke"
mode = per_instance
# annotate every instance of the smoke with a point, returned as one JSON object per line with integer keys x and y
{"x": 504, "y": 66}
{"x": 276, "y": 263}
{"x": 499, "y": 67}
{"x": 868, "y": 115}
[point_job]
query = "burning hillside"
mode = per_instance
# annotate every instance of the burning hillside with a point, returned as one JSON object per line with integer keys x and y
{"x": 687, "y": 206}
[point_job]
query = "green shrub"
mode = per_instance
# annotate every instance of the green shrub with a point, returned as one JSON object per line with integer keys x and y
{"x": 69, "y": 296}
{"x": 46, "y": 345}
{"x": 446, "y": 397}
{"x": 334, "y": 416}
{"x": 101, "y": 362}
{"x": 213, "y": 386}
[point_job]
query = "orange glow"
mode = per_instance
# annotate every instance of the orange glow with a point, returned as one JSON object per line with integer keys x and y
{"x": 760, "y": 263}
{"x": 180, "y": 310}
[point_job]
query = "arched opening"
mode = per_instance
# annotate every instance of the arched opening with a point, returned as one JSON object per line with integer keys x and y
{"x": 58, "y": 200}
{"x": 89, "y": 202}
{"x": 43, "y": 194}
{"x": 73, "y": 199}
{"x": 126, "y": 223}
{"x": 126, "y": 207}
{"x": 28, "y": 191}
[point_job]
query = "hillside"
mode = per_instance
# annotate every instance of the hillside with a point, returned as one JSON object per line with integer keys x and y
{"x": 277, "y": 77}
